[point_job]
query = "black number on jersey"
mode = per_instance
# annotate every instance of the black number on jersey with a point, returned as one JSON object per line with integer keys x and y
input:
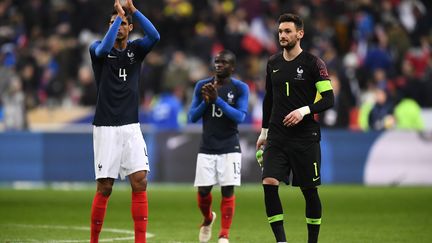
{"x": 122, "y": 73}
{"x": 236, "y": 168}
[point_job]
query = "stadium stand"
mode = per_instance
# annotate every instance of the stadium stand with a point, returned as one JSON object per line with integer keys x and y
{"x": 367, "y": 45}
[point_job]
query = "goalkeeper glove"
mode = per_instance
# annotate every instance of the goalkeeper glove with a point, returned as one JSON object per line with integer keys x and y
{"x": 259, "y": 157}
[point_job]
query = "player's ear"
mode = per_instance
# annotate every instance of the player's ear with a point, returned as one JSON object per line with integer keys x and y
{"x": 300, "y": 34}
{"x": 130, "y": 27}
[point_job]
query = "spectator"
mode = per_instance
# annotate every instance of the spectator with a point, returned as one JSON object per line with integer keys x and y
{"x": 46, "y": 42}
{"x": 88, "y": 87}
{"x": 381, "y": 115}
{"x": 338, "y": 115}
{"x": 166, "y": 112}
{"x": 14, "y": 106}
{"x": 408, "y": 116}
{"x": 152, "y": 76}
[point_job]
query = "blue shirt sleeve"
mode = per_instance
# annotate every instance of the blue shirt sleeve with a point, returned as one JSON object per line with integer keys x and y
{"x": 151, "y": 34}
{"x": 239, "y": 112}
{"x": 198, "y": 105}
{"x": 105, "y": 46}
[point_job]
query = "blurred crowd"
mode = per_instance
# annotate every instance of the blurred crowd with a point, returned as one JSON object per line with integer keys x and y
{"x": 378, "y": 54}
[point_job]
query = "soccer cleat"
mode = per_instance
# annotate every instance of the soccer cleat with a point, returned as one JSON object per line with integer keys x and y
{"x": 205, "y": 230}
{"x": 223, "y": 240}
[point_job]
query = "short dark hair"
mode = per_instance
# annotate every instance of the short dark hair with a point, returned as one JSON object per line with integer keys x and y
{"x": 288, "y": 17}
{"x": 230, "y": 56}
{"x": 127, "y": 15}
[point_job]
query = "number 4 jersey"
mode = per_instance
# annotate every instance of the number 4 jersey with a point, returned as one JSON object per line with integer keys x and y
{"x": 117, "y": 77}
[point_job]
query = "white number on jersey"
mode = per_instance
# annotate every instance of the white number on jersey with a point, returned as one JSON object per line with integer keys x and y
{"x": 216, "y": 112}
{"x": 122, "y": 73}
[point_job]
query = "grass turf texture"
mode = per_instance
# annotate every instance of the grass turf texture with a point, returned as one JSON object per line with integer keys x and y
{"x": 350, "y": 214}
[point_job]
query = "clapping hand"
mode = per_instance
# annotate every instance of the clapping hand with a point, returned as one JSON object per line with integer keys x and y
{"x": 209, "y": 93}
{"x": 118, "y": 7}
{"x": 130, "y": 6}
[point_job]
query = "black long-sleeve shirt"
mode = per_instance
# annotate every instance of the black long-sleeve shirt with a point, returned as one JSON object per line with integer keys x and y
{"x": 290, "y": 85}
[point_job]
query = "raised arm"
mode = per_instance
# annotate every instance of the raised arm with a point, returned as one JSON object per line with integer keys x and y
{"x": 104, "y": 47}
{"x": 151, "y": 34}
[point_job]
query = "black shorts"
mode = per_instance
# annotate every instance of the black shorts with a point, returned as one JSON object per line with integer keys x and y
{"x": 299, "y": 161}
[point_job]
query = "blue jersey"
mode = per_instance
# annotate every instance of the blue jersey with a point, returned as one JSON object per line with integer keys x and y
{"x": 166, "y": 111}
{"x": 220, "y": 119}
{"x": 117, "y": 74}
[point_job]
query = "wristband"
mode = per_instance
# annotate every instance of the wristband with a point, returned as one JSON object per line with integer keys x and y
{"x": 305, "y": 110}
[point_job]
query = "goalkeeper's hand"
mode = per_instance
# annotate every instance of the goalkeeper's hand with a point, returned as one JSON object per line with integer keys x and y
{"x": 259, "y": 157}
{"x": 262, "y": 140}
{"x": 296, "y": 116}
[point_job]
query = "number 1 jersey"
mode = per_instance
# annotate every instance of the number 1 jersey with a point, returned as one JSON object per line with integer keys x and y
{"x": 291, "y": 85}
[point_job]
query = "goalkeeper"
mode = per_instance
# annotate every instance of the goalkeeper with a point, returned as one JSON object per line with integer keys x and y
{"x": 289, "y": 132}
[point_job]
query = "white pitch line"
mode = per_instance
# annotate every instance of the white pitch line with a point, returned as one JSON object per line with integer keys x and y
{"x": 60, "y": 227}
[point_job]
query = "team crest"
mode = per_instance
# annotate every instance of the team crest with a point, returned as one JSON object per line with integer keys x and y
{"x": 230, "y": 98}
{"x": 299, "y": 75}
{"x": 131, "y": 56}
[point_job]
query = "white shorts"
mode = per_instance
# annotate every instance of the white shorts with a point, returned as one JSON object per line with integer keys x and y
{"x": 222, "y": 169}
{"x": 119, "y": 150}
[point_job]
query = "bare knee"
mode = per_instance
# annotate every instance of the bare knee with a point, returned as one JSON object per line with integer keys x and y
{"x": 104, "y": 186}
{"x": 270, "y": 181}
{"x": 138, "y": 181}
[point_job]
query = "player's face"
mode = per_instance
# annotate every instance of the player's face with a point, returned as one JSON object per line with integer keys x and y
{"x": 222, "y": 65}
{"x": 125, "y": 28}
{"x": 289, "y": 36}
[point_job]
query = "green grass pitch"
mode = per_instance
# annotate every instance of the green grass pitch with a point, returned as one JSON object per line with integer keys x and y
{"x": 350, "y": 214}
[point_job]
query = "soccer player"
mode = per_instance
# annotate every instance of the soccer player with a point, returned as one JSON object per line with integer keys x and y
{"x": 222, "y": 102}
{"x": 289, "y": 132}
{"x": 119, "y": 147}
